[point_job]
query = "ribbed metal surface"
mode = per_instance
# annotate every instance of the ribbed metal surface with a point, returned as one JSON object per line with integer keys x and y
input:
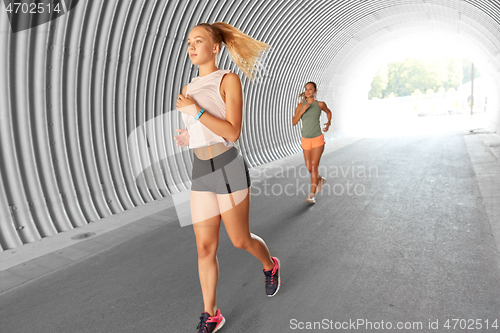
{"x": 74, "y": 90}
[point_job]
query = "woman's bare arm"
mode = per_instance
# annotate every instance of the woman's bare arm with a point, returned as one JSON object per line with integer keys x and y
{"x": 322, "y": 106}
{"x": 229, "y": 128}
{"x": 299, "y": 111}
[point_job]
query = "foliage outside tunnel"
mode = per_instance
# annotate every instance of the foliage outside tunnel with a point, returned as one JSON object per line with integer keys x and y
{"x": 427, "y": 87}
{"x": 421, "y": 76}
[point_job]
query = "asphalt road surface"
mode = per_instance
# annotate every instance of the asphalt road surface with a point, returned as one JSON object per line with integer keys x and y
{"x": 398, "y": 237}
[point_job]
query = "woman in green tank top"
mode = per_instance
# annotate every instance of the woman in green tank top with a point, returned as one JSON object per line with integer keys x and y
{"x": 313, "y": 141}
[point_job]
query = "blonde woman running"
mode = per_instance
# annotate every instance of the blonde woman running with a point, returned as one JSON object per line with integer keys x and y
{"x": 313, "y": 141}
{"x": 211, "y": 107}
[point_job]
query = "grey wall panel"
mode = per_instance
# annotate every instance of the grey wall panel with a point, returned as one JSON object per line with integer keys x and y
{"x": 21, "y": 139}
{"x": 111, "y": 109}
{"x": 122, "y": 100}
{"x": 49, "y": 199}
{"x": 59, "y": 116}
{"x": 11, "y": 172}
{"x": 76, "y": 93}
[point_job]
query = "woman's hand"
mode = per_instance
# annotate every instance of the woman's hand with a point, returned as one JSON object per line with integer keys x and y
{"x": 299, "y": 111}
{"x": 327, "y": 126}
{"x": 187, "y": 105}
{"x": 182, "y": 139}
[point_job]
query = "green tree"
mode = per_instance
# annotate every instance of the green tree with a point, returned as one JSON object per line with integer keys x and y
{"x": 379, "y": 83}
{"x": 405, "y": 77}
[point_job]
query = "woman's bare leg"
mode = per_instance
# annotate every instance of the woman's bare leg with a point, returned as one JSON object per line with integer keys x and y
{"x": 316, "y": 153}
{"x": 206, "y": 225}
{"x": 236, "y": 220}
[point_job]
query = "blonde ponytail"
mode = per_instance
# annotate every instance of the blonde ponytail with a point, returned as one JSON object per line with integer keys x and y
{"x": 302, "y": 98}
{"x": 244, "y": 50}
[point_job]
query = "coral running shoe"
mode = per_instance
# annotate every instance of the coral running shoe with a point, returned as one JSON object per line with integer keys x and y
{"x": 273, "y": 280}
{"x": 211, "y": 324}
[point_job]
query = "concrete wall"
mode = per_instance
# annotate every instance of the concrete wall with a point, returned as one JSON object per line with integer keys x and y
{"x": 494, "y": 111}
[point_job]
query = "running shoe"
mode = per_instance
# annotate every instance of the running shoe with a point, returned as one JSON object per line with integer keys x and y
{"x": 273, "y": 280}
{"x": 320, "y": 184}
{"x": 311, "y": 198}
{"x": 211, "y": 324}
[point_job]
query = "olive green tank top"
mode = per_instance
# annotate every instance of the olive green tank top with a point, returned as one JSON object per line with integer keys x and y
{"x": 310, "y": 121}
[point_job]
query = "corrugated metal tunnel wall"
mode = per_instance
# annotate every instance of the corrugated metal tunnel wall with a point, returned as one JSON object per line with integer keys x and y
{"x": 73, "y": 90}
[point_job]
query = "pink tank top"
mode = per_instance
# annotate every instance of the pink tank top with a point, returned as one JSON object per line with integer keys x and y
{"x": 205, "y": 90}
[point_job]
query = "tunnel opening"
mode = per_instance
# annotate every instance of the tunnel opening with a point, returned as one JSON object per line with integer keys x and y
{"x": 426, "y": 83}
{"x": 470, "y": 105}
{"x": 412, "y": 31}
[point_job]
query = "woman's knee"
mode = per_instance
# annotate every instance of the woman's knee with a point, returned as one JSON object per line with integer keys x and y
{"x": 206, "y": 250}
{"x": 241, "y": 243}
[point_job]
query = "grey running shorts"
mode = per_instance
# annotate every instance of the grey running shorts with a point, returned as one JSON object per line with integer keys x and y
{"x": 223, "y": 174}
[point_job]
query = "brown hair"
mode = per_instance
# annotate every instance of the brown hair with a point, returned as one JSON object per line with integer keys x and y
{"x": 244, "y": 50}
{"x": 302, "y": 97}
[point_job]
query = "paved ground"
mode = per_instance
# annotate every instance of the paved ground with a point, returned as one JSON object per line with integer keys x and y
{"x": 405, "y": 233}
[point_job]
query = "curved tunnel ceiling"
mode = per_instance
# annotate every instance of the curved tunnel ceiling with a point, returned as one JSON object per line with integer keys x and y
{"x": 75, "y": 91}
